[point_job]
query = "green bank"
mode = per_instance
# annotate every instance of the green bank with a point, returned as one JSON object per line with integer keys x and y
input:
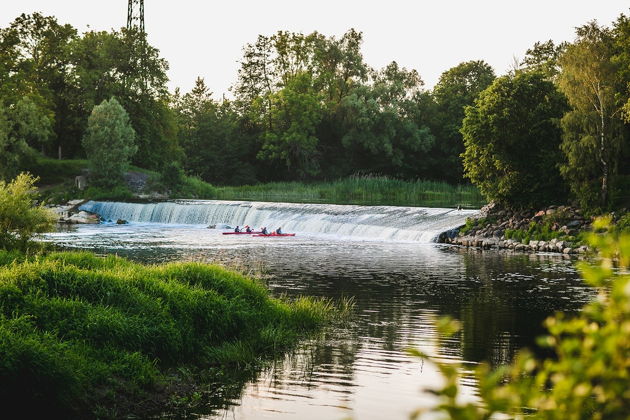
{"x": 84, "y": 336}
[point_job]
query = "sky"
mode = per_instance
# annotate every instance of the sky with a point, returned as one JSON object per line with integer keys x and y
{"x": 205, "y": 38}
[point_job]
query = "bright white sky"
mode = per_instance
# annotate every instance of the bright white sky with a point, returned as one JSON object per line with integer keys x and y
{"x": 205, "y": 38}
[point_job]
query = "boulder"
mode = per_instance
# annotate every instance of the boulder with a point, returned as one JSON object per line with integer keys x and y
{"x": 83, "y": 217}
{"x": 121, "y": 222}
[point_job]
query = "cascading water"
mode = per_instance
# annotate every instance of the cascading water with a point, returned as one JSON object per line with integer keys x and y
{"x": 378, "y": 222}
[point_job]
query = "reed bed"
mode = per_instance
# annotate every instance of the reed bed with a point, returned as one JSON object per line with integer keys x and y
{"x": 369, "y": 190}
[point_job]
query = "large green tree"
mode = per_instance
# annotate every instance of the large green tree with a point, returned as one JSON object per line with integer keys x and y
{"x": 593, "y": 129}
{"x": 217, "y": 146}
{"x": 381, "y": 132}
{"x": 109, "y": 143}
{"x": 457, "y": 88}
{"x": 512, "y": 139}
{"x": 294, "y": 118}
{"x": 36, "y": 54}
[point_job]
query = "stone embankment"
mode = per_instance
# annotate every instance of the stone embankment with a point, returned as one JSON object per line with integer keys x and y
{"x": 497, "y": 228}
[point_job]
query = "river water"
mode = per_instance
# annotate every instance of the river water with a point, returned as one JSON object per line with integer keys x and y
{"x": 400, "y": 286}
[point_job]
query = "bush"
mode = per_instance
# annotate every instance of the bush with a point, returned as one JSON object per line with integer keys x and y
{"x": 588, "y": 378}
{"x": 20, "y": 218}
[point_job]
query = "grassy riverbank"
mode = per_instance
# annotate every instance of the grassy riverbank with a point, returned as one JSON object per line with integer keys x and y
{"x": 87, "y": 336}
{"x": 57, "y": 179}
{"x": 367, "y": 190}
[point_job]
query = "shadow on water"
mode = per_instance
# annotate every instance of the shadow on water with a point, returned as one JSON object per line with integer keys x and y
{"x": 400, "y": 289}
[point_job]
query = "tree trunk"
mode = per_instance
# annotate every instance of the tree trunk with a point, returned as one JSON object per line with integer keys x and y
{"x": 604, "y": 161}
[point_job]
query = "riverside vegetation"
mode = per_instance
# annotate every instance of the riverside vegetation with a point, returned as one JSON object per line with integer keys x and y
{"x": 85, "y": 336}
{"x": 587, "y": 376}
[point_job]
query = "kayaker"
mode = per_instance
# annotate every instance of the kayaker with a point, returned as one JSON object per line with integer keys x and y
{"x": 248, "y": 229}
{"x": 237, "y": 229}
{"x": 279, "y": 231}
{"x": 264, "y": 231}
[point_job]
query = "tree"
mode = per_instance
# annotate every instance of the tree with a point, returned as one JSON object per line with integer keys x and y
{"x": 14, "y": 150}
{"x": 217, "y": 146}
{"x": 543, "y": 57}
{"x": 36, "y": 51}
{"x": 382, "y": 135}
{"x": 593, "y": 128}
{"x": 109, "y": 142}
{"x": 294, "y": 119}
{"x": 457, "y": 88}
{"x": 32, "y": 123}
{"x": 20, "y": 218}
{"x": 512, "y": 139}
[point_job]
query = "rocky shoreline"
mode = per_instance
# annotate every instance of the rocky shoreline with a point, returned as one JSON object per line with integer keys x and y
{"x": 553, "y": 229}
{"x": 70, "y": 213}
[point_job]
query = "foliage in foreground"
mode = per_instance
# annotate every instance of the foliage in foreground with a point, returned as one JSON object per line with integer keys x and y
{"x": 589, "y": 377}
{"x": 81, "y": 334}
{"x": 20, "y": 218}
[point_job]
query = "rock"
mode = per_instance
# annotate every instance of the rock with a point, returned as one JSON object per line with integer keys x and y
{"x": 83, "y": 217}
{"x": 573, "y": 224}
{"x": 533, "y": 244}
{"x": 539, "y": 214}
{"x": 566, "y": 250}
{"x": 121, "y": 222}
{"x": 550, "y": 211}
{"x": 520, "y": 247}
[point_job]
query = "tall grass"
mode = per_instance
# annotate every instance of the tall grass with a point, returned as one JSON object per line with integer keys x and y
{"x": 360, "y": 190}
{"x": 79, "y": 332}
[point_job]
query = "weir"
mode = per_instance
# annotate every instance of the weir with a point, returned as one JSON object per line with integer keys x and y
{"x": 418, "y": 224}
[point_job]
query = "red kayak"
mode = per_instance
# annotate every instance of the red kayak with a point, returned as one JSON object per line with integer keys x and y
{"x": 241, "y": 233}
{"x": 276, "y": 234}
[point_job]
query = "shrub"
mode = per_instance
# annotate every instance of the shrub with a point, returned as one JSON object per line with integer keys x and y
{"x": 20, "y": 218}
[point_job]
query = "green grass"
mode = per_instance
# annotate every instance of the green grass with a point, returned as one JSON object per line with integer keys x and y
{"x": 52, "y": 171}
{"x": 360, "y": 190}
{"x": 79, "y": 332}
{"x": 368, "y": 190}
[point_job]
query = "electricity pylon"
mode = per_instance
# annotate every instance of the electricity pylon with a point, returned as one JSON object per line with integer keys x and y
{"x": 135, "y": 15}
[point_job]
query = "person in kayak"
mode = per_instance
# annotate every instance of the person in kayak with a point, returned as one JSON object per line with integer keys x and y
{"x": 279, "y": 231}
{"x": 248, "y": 229}
{"x": 237, "y": 229}
{"x": 264, "y": 231}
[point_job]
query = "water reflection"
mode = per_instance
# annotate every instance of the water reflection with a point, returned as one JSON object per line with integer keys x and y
{"x": 362, "y": 370}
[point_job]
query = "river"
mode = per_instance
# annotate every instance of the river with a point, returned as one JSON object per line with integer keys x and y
{"x": 384, "y": 258}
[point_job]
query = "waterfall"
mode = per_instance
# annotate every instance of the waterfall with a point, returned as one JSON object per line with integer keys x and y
{"x": 377, "y": 222}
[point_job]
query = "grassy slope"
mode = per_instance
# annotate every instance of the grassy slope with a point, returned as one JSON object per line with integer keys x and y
{"x": 82, "y": 335}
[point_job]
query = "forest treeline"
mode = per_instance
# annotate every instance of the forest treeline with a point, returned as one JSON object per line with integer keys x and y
{"x": 308, "y": 107}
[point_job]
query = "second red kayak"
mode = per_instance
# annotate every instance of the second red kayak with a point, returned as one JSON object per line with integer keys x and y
{"x": 276, "y": 234}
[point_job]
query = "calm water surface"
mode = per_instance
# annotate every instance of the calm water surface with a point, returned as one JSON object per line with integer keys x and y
{"x": 362, "y": 370}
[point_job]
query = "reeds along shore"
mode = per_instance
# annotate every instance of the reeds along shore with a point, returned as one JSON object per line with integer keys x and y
{"x": 361, "y": 190}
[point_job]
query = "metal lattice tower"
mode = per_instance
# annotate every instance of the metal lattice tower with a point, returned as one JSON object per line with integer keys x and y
{"x": 135, "y": 15}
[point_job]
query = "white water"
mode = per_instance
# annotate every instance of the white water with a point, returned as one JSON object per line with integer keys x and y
{"x": 417, "y": 224}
